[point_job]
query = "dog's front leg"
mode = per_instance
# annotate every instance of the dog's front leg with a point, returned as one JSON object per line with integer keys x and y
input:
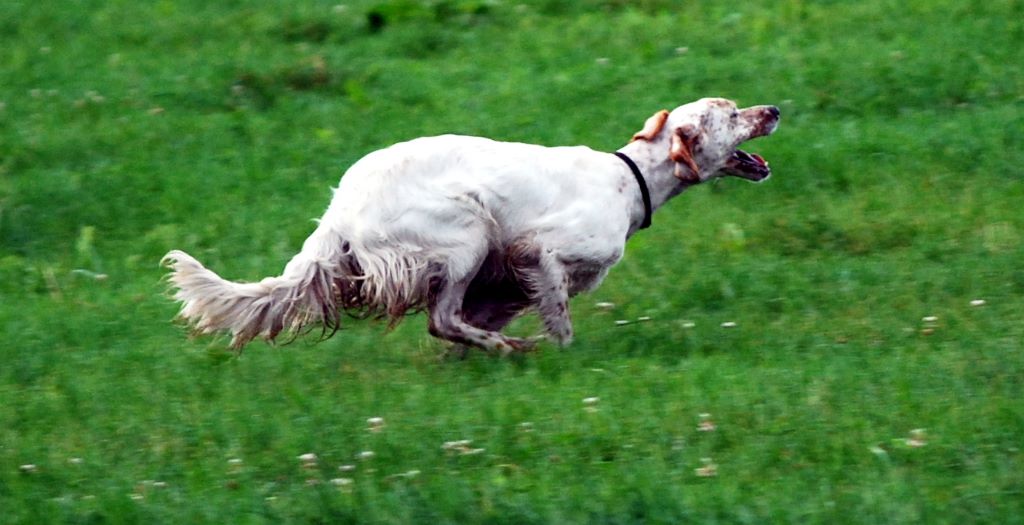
{"x": 548, "y": 283}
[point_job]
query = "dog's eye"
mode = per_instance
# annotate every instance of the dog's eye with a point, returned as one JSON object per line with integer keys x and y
{"x": 735, "y": 115}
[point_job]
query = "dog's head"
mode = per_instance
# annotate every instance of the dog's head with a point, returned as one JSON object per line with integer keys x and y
{"x": 703, "y": 138}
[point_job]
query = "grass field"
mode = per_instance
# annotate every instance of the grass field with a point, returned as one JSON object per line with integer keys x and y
{"x": 859, "y": 383}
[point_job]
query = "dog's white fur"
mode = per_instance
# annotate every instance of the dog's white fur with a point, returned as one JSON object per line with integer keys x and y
{"x": 472, "y": 230}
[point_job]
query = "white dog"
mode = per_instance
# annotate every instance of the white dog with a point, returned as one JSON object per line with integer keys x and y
{"x": 476, "y": 231}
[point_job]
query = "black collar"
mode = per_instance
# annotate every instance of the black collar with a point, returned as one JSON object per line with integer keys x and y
{"x": 644, "y": 193}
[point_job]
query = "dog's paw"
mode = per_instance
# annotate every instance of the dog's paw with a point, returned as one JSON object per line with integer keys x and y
{"x": 561, "y": 338}
{"x": 515, "y": 345}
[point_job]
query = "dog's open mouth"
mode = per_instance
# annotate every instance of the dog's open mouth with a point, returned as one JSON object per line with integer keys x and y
{"x": 750, "y": 166}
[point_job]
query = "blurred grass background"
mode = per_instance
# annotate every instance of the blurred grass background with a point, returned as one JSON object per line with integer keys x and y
{"x": 131, "y": 128}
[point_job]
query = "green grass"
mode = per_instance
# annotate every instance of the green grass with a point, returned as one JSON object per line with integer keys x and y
{"x": 131, "y": 128}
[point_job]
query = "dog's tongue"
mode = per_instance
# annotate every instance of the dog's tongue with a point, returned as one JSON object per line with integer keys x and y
{"x": 750, "y": 158}
{"x": 750, "y": 166}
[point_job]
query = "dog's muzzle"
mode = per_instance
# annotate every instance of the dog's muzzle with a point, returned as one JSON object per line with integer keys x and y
{"x": 752, "y": 166}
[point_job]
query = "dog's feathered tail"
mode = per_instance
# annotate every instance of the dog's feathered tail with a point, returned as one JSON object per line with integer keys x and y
{"x": 315, "y": 287}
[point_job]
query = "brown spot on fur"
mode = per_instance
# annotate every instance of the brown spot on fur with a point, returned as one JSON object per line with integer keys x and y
{"x": 684, "y": 140}
{"x": 523, "y": 253}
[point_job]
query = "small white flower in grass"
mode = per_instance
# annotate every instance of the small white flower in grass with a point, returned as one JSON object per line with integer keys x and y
{"x": 236, "y": 462}
{"x": 526, "y": 426}
{"x": 978, "y": 302}
{"x": 365, "y": 455}
{"x": 308, "y": 460}
{"x": 603, "y": 61}
{"x": 682, "y": 50}
{"x": 706, "y": 424}
{"x": 917, "y": 438}
{"x": 621, "y": 322}
{"x": 461, "y": 447}
{"x": 375, "y": 424}
{"x": 136, "y": 497}
{"x": 643, "y": 319}
{"x": 604, "y": 306}
{"x": 930, "y": 324}
{"x": 347, "y": 468}
{"x": 403, "y": 475}
{"x": 456, "y": 445}
{"x": 590, "y": 404}
{"x": 342, "y": 482}
{"x": 147, "y": 485}
{"x": 689, "y": 324}
{"x": 729, "y": 324}
{"x": 28, "y": 468}
{"x": 75, "y": 461}
{"x": 708, "y": 470}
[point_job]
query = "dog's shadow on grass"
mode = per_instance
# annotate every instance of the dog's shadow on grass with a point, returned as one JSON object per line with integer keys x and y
{"x": 591, "y": 350}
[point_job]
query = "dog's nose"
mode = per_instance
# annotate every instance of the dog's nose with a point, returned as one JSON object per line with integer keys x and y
{"x": 773, "y": 111}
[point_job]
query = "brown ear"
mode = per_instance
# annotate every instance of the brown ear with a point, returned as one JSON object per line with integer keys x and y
{"x": 652, "y": 127}
{"x": 683, "y": 141}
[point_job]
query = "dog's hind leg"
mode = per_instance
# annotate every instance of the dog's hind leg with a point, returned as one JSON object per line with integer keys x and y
{"x": 491, "y": 305}
{"x": 447, "y": 321}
